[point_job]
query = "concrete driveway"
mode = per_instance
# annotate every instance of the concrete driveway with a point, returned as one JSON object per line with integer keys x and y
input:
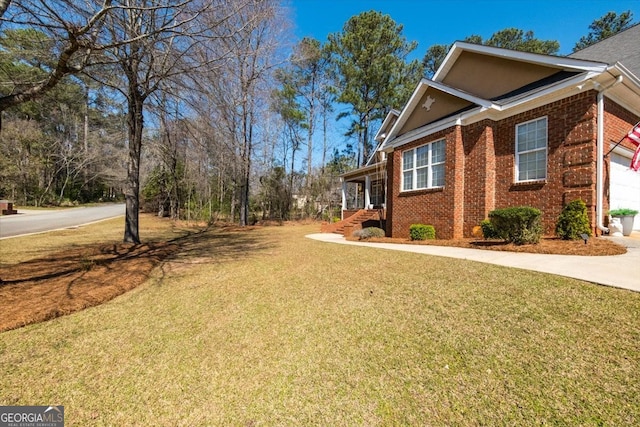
{"x": 621, "y": 271}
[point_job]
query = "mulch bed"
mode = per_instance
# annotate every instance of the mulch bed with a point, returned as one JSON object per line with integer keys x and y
{"x": 599, "y": 246}
{"x": 69, "y": 281}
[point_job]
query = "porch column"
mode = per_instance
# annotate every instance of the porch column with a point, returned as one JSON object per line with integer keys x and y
{"x": 367, "y": 191}
{"x": 344, "y": 197}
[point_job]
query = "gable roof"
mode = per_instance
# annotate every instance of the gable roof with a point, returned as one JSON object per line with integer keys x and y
{"x": 467, "y": 101}
{"x": 514, "y": 78}
{"x": 621, "y": 47}
{"x": 380, "y": 136}
{"x": 492, "y": 72}
{"x": 535, "y": 59}
{"x": 389, "y": 120}
{"x": 487, "y": 82}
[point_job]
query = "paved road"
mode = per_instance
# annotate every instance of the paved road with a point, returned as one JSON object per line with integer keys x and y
{"x": 36, "y": 221}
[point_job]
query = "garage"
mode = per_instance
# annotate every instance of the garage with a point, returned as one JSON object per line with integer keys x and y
{"x": 625, "y": 184}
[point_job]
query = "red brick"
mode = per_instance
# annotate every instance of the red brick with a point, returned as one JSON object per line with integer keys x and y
{"x": 480, "y": 169}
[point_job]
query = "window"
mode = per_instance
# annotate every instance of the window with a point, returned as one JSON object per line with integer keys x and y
{"x": 377, "y": 193}
{"x": 531, "y": 150}
{"x": 423, "y": 167}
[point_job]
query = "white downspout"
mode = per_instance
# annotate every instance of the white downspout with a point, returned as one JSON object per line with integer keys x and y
{"x": 344, "y": 197}
{"x": 600, "y": 154}
{"x": 367, "y": 191}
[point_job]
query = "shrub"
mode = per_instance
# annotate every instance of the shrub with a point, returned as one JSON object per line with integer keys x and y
{"x": 623, "y": 212}
{"x": 422, "y": 232}
{"x": 369, "y": 232}
{"x": 573, "y": 221}
{"x": 520, "y": 225}
{"x": 488, "y": 231}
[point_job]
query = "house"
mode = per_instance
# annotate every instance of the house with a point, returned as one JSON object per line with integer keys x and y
{"x": 496, "y": 128}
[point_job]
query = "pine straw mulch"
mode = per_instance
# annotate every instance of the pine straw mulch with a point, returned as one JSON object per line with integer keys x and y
{"x": 70, "y": 281}
{"x": 599, "y": 246}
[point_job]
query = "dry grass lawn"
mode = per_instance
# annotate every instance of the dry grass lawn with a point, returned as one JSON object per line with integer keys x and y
{"x": 264, "y": 327}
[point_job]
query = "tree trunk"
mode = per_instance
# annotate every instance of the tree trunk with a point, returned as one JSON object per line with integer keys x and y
{"x": 310, "y": 131}
{"x": 244, "y": 196}
{"x": 247, "y": 134}
{"x": 132, "y": 188}
{"x": 366, "y": 150}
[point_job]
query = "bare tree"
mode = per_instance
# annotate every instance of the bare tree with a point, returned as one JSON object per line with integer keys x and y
{"x": 73, "y": 30}
{"x": 158, "y": 35}
{"x": 137, "y": 37}
{"x": 239, "y": 89}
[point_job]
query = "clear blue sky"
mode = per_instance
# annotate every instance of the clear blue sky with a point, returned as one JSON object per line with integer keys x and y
{"x": 442, "y": 22}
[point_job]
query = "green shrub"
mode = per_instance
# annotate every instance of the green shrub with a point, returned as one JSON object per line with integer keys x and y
{"x": 573, "y": 221}
{"x": 369, "y": 232}
{"x": 520, "y": 225}
{"x": 422, "y": 232}
{"x": 488, "y": 231}
{"x": 623, "y": 212}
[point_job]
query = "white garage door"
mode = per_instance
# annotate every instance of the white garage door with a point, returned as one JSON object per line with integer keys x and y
{"x": 625, "y": 186}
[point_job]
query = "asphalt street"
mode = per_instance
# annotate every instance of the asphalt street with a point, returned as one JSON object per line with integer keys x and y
{"x": 37, "y": 221}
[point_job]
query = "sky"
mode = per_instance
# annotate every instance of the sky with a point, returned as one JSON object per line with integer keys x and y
{"x": 432, "y": 22}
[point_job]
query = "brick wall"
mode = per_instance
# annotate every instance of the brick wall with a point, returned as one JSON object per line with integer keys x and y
{"x": 480, "y": 169}
{"x": 433, "y": 206}
{"x": 480, "y": 165}
{"x": 570, "y": 159}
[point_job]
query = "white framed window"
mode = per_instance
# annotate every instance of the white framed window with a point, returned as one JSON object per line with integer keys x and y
{"x": 531, "y": 150}
{"x": 423, "y": 167}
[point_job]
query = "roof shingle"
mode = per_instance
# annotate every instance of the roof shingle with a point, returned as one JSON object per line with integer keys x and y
{"x": 623, "y": 47}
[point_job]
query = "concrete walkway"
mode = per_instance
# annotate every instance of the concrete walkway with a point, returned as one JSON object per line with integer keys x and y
{"x": 622, "y": 271}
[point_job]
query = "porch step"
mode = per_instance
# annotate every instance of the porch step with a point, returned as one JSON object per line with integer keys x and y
{"x": 363, "y": 215}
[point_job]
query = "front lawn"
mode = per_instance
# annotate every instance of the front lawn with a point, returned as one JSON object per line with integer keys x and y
{"x": 266, "y": 327}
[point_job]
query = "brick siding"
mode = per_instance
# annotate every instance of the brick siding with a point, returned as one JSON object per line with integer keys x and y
{"x": 480, "y": 169}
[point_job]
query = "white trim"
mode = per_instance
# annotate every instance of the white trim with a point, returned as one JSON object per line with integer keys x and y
{"x": 623, "y": 151}
{"x": 421, "y": 132}
{"x": 596, "y": 74}
{"x": 460, "y": 94}
{"x": 631, "y": 83}
{"x": 547, "y": 94}
{"x": 621, "y": 69}
{"x": 534, "y": 58}
{"x": 498, "y": 112}
{"x": 600, "y": 154}
{"x": 428, "y": 166}
{"x": 387, "y": 119}
{"x": 516, "y": 153}
{"x": 486, "y": 109}
{"x": 422, "y": 87}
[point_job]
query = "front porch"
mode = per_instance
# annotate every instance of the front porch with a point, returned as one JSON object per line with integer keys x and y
{"x": 364, "y": 188}
{"x": 356, "y": 220}
{"x": 363, "y": 200}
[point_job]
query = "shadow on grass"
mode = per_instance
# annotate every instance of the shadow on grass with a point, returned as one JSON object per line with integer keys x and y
{"x": 81, "y": 277}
